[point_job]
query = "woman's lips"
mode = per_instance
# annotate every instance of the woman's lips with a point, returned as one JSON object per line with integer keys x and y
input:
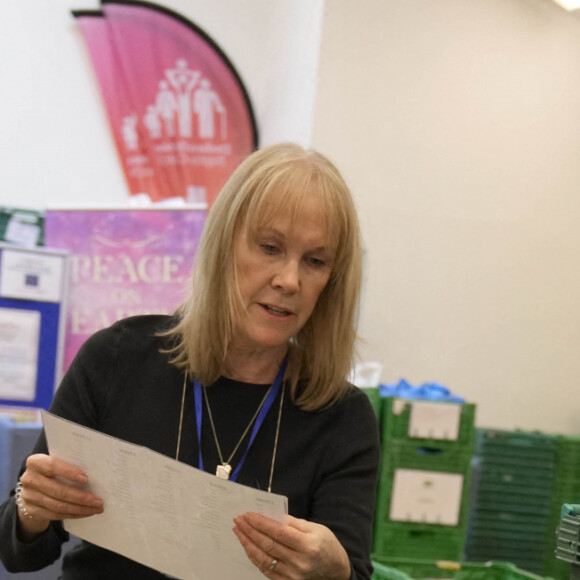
{"x": 275, "y": 310}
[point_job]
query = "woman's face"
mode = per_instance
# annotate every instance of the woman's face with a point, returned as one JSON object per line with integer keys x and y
{"x": 281, "y": 271}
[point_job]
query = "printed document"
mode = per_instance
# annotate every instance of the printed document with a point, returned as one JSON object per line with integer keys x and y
{"x": 162, "y": 513}
{"x": 19, "y": 340}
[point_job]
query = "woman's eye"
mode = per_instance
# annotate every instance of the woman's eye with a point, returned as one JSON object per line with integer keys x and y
{"x": 316, "y": 262}
{"x": 269, "y": 248}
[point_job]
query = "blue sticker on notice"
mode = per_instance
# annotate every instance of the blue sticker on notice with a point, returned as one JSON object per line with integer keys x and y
{"x": 32, "y": 280}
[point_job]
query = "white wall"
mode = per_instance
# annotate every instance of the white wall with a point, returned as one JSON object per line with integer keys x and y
{"x": 457, "y": 125}
{"x": 55, "y": 145}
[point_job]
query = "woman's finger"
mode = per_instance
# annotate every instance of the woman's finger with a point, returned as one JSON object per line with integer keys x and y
{"x": 301, "y": 549}
{"x": 277, "y": 549}
{"x": 281, "y": 533}
{"x": 68, "y": 503}
{"x": 271, "y": 536}
{"x": 52, "y": 467}
{"x": 52, "y": 489}
{"x": 272, "y": 567}
{"x": 57, "y": 495}
{"x": 58, "y": 480}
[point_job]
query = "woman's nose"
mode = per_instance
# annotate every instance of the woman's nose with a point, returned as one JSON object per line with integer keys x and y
{"x": 287, "y": 278}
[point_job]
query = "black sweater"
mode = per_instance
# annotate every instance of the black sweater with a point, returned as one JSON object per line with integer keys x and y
{"x": 120, "y": 384}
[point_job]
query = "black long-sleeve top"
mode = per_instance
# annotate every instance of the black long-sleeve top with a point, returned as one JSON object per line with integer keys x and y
{"x": 122, "y": 385}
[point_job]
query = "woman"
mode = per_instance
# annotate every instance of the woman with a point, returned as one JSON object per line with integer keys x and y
{"x": 268, "y": 328}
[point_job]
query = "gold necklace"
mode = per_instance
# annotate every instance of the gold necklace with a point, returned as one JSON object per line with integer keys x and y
{"x": 178, "y": 448}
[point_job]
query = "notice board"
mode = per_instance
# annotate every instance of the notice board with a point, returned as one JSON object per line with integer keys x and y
{"x": 33, "y": 292}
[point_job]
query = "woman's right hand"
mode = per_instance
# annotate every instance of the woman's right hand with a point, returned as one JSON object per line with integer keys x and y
{"x": 52, "y": 489}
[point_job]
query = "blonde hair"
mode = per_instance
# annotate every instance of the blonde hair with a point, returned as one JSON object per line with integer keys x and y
{"x": 271, "y": 182}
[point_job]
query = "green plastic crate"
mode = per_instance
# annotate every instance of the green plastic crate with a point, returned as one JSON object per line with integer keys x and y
{"x": 519, "y": 463}
{"x": 493, "y": 475}
{"x": 526, "y": 519}
{"x": 491, "y": 503}
{"x": 408, "y": 538}
{"x": 429, "y": 457}
{"x": 568, "y": 540}
{"x": 513, "y": 493}
{"x": 416, "y": 456}
{"x": 506, "y": 530}
{"x": 569, "y": 450}
{"x": 508, "y": 536}
{"x": 512, "y": 498}
{"x": 519, "y": 442}
{"x": 564, "y": 562}
{"x": 382, "y": 572}
{"x": 402, "y": 539}
{"x": 529, "y": 501}
{"x": 429, "y": 569}
{"x": 396, "y": 414}
{"x": 384, "y": 499}
{"x": 566, "y": 490}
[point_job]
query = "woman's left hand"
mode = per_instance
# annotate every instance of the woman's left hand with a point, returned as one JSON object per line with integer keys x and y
{"x": 296, "y": 549}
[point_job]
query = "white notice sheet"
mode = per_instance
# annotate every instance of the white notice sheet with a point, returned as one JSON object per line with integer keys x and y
{"x": 428, "y": 497}
{"x": 160, "y": 512}
{"x": 29, "y": 275}
{"x": 19, "y": 342}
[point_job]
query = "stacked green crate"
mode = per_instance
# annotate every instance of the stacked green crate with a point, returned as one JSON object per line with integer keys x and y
{"x": 423, "y": 493}
{"x": 382, "y": 572}
{"x": 568, "y": 537}
{"x": 407, "y": 569}
{"x": 566, "y": 491}
{"x": 511, "y": 503}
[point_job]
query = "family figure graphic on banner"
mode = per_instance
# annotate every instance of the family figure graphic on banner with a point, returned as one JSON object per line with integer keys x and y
{"x": 175, "y": 105}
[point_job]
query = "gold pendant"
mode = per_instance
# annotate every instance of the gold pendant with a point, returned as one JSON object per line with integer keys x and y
{"x": 223, "y": 471}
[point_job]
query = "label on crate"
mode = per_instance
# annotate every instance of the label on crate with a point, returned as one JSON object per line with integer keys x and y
{"x": 434, "y": 420}
{"x": 429, "y": 497}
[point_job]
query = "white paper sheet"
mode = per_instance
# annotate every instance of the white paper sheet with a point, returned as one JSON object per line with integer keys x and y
{"x": 19, "y": 336}
{"x": 429, "y": 497}
{"x": 29, "y": 275}
{"x": 159, "y": 512}
{"x": 18, "y": 231}
{"x": 435, "y": 420}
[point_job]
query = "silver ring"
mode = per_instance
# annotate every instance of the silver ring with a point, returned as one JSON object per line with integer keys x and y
{"x": 273, "y": 564}
{"x": 20, "y": 502}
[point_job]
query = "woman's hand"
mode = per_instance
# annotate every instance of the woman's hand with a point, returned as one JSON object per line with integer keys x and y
{"x": 296, "y": 549}
{"x": 52, "y": 490}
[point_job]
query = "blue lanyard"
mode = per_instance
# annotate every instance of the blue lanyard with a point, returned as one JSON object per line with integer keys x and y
{"x": 273, "y": 392}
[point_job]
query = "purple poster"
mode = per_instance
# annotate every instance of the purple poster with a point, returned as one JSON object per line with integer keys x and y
{"x": 123, "y": 263}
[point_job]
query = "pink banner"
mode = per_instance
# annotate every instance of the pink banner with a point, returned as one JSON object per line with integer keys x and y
{"x": 180, "y": 116}
{"x": 123, "y": 263}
